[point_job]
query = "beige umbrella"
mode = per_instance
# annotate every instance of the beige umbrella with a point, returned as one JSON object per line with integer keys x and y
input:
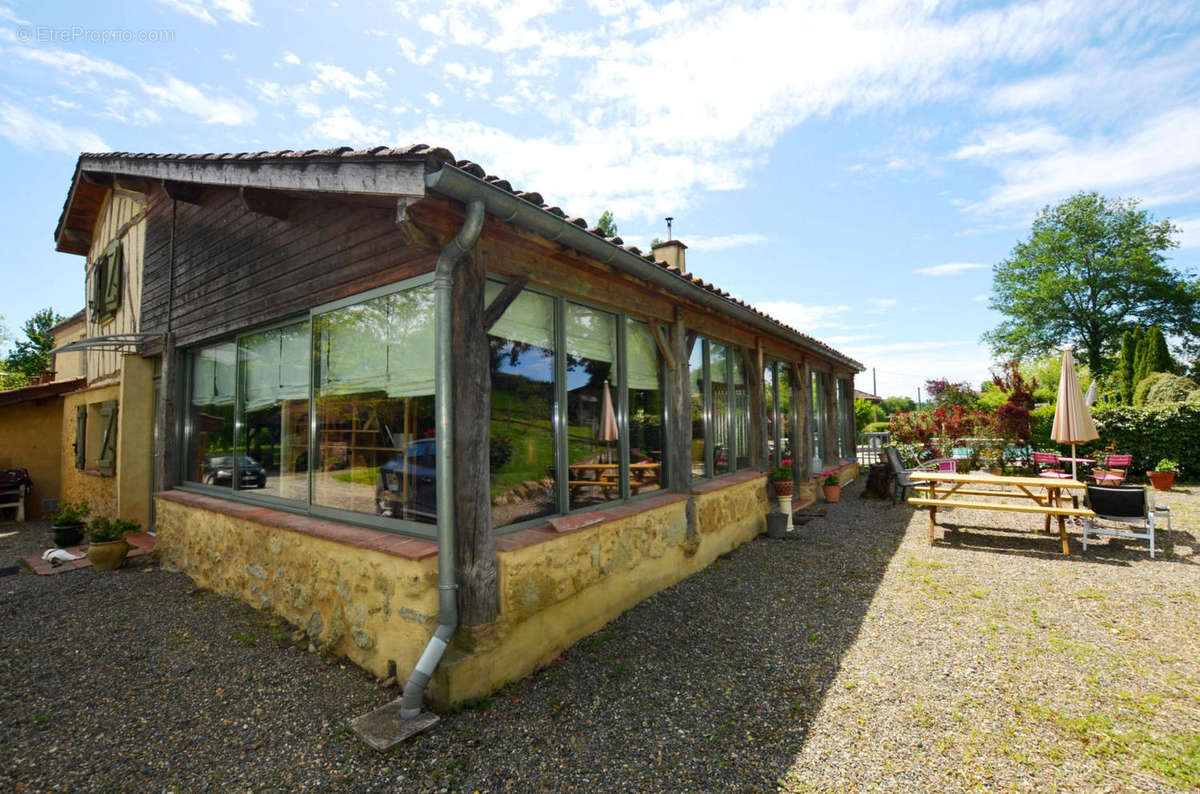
{"x": 1072, "y": 422}
{"x": 608, "y": 418}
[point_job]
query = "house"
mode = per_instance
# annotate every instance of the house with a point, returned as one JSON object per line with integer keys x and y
{"x": 422, "y": 414}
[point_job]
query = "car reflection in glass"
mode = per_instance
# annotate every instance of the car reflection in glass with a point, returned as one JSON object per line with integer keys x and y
{"x": 407, "y": 486}
{"x": 218, "y": 470}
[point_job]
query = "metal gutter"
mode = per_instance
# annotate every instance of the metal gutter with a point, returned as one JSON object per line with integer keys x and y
{"x": 456, "y": 249}
{"x": 459, "y": 185}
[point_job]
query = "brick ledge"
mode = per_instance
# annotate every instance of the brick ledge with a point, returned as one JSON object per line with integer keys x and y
{"x": 333, "y": 531}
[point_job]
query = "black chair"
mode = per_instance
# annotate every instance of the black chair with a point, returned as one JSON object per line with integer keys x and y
{"x": 902, "y": 477}
{"x": 1130, "y": 505}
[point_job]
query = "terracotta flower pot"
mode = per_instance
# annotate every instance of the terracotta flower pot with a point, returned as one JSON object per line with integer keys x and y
{"x": 832, "y": 492}
{"x": 108, "y": 556}
{"x": 1161, "y": 480}
{"x": 782, "y": 487}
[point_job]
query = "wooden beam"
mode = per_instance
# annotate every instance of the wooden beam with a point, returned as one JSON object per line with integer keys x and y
{"x": 132, "y": 185}
{"x": 502, "y": 301}
{"x": 757, "y": 408}
{"x": 186, "y": 192}
{"x": 266, "y": 202}
{"x": 679, "y": 414}
{"x": 76, "y": 236}
{"x": 664, "y": 348}
{"x": 93, "y": 178}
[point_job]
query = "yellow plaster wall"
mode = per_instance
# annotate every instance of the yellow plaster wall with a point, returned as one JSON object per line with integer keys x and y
{"x": 370, "y": 606}
{"x": 86, "y": 484}
{"x": 68, "y": 366}
{"x": 123, "y": 210}
{"x": 135, "y": 443}
{"x": 374, "y": 607}
{"x": 29, "y": 439}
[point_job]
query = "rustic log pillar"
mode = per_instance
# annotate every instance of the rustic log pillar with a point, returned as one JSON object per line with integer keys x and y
{"x": 475, "y": 547}
{"x": 802, "y": 448}
{"x": 679, "y": 412}
{"x": 756, "y": 396}
{"x": 831, "y": 419}
{"x": 850, "y": 446}
{"x": 167, "y": 456}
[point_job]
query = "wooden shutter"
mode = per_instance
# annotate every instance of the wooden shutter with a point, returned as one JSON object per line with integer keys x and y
{"x": 114, "y": 265}
{"x": 108, "y": 445}
{"x": 96, "y": 301}
{"x": 80, "y": 436}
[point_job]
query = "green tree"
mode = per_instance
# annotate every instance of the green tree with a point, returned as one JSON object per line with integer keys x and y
{"x": 606, "y": 224}
{"x": 1158, "y": 358}
{"x": 1139, "y": 355}
{"x": 1091, "y": 268}
{"x": 1128, "y": 349}
{"x": 897, "y": 405}
{"x": 30, "y": 356}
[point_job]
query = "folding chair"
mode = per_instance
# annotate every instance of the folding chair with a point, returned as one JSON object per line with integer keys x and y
{"x": 1131, "y": 505}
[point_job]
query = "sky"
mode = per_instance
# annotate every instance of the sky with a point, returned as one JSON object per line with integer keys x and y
{"x": 854, "y": 169}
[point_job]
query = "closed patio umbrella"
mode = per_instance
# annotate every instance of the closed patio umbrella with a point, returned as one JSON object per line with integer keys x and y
{"x": 1072, "y": 421}
{"x": 608, "y": 418}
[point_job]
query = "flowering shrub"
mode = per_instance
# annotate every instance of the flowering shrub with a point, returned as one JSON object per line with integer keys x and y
{"x": 946, "y": 425}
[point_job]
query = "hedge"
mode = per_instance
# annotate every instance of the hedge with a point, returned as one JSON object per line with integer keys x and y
{"x": 1149, "y": 433}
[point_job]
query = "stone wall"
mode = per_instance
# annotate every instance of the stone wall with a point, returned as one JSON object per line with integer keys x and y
{"x": 373, "y": 597}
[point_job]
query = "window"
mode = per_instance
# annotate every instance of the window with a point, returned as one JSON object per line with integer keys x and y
{"x": 741, "y": 410}
{"x": 777, "y": 385}
{"x": 592, "y": 434}
{"x": 720, "y": 409}
{"x": 700, "y": 402}
{"x": 272, "y": 436}
{"x": 818, "y": 419}
{"x": 521, "y": 357}
{"x": 210, "y": 415}
{"x": 106, "y": 283}
{"x": 647, "y": 419}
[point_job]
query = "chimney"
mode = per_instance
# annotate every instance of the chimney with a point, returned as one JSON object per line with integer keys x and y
{"x": 672, "y": 252}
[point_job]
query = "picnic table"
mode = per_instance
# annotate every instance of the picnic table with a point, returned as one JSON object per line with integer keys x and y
{"x": 607, "y": 475}
{"x": 1037, "y": 495}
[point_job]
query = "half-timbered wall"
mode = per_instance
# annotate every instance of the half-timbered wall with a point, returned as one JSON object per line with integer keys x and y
{"x": 121, "y": 217}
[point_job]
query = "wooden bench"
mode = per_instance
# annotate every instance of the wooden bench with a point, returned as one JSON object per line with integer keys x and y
{"x": 1061, "y": 512}
{"x": 14, "y": 497}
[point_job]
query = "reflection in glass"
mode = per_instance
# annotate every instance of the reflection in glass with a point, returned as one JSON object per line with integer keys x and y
{"x": 272, "y": 444}
{"x": 592, "y": 433}
{"x": 210, "y": 416}
{"x": 772, "y": 419}
{"x": 696, "y": 381}
{"x": 741, "y": 411}
{"x": 521, "y": 361}
{"x": 718, "y": 358}
{"x": 646, "y": 442}
{"x": 818, "y": 419}
{"x": 785, "y": 416}
{"x": 374, "y": 407}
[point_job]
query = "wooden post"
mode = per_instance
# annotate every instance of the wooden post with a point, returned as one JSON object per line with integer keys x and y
{"x": 475, "y": 547}
{"x": 831, "y": 420}
{"x": 679, "y": 411}
{"x": 802, "y": 450}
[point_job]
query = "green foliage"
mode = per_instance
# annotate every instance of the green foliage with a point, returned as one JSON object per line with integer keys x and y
{"x": 991, "y": 397}
{"x": 1168, "y": 388}
{"x": 606, "y": 224}
{"x": 864, "y": 414}
{"x": 1166, "y": 464}
{"x": 1128, "y": 351}
{"x": 947, "y": 394}
{"x": 877, "y": 427}
{"x": 1166, "y": 430}
{"x": 69, "y": 513}
{"x": 1041, "y": 423}
{"x": 897, "y": 405}
{"x": 30, "y": 357}
{"x": 781, "y": 474}
{"x": 1144, "y": 386}
{"x": 103, "y": 529}
{"x": 1158, "y": 358}
{"x": 831, "y": 478}
{"x": 656, "y": 242}
{"x": 1091, "y": 265}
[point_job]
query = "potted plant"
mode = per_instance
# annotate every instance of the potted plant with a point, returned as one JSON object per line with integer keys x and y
{"x": 68, "y": 521}
{"x": 108, "y": 545}
{"x": 1163, "y": 476}
{"x": 831, "y": 484}
{"x": 781, "y": 480}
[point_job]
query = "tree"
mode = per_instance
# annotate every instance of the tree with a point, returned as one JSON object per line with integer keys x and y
{"x": 1128, "y": 349}
{"x": 1091, "y": 268}
{"x": 1158, "y": 358}
{"x": 945, "y": 394}
{"x": 606, "y": 224}
{"x": 897, "y": 405}
{"x": 30, "y": 356}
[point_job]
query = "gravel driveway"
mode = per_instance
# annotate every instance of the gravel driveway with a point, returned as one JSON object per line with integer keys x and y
{"x": 854, "y": 656}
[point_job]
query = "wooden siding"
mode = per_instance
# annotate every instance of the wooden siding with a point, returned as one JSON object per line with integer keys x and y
{"x": 118, "y": 216}
{"x": 234, "y": 268}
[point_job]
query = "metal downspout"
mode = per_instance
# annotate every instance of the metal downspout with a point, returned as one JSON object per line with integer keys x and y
{"x": 414, "y": 688}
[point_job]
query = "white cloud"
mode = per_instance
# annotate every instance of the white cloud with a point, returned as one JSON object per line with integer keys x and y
{"x": 36, "y": 133}
{"x": 7, "y": 15}
{"x": 433, "y": 99}
{"x": 187, "y": 98}
{"x": 721, "y": 242}
{"x": 193, "y": 8}
{"x": 805, "y": 317}
{"x": 949, "y": 269}
{"x": 337, "y": 78}
{"x": 341, "y": 127}
{"x": 477, "y": 76}
{"x": 241, "y": 11}
{"x": 292, "y": 58}
{"x": 1189, "y": 232}
{"x": 1011, "y": 139}
{"x": 903, "y": 367}
{"x": 880, "y": 305}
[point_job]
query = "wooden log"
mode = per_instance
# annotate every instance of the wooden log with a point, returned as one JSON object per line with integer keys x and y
{"x": 752, "y": 362}
{"x": 664, "y": 347}
{"x": 679, "y": 413}
{"x": 802, "y": 451}
{"x": 831, "y": 421}
{"x": 879, "y": 482}
{"x": 475, "y": 546}
{"x": 502, "y": 301}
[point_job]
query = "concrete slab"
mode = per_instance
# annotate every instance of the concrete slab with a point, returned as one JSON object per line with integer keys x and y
{"x": 383, "y": 728}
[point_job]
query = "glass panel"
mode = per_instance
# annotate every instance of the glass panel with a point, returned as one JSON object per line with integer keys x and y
{"x": 521, "y": 352}
{"x": 718, "y": 358}
{"x": 592, "y": 433}
{"x": 696, "y": 379}
{"x": 374, "y": 404}
{"x": 273, "y": 429}
{"x": 772, "y": 419}
{"x": 818, "y": 421}
{"x": 741, "y": 411}
{"x": 646, "y": 440}
{"x": 210, "y": 416}
{"x": 785, "y": 415}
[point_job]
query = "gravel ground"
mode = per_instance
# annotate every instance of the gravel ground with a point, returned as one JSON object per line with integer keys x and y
{"x": 854, "y": 656}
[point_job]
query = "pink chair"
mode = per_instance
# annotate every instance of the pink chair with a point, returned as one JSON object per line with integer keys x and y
{"x": 1049, "y": 459}
{"x": 1112, "y": 471}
